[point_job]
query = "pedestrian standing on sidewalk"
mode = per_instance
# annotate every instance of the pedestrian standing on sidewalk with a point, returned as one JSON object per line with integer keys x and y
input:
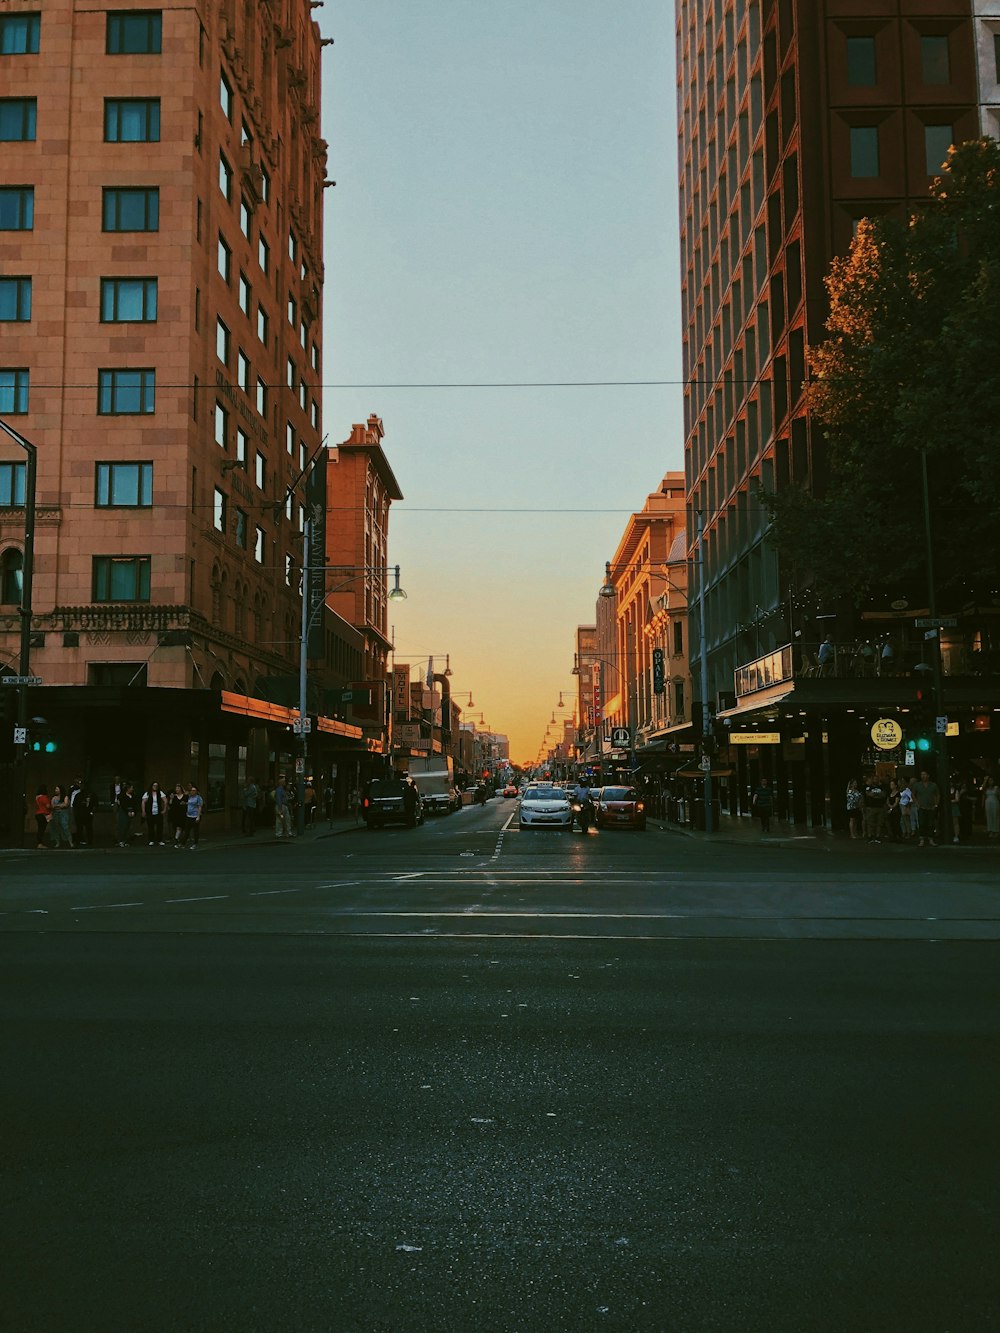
{"x": 125, "y": 808}
{"x": 928, "y": 798}
{"x": 907, "y": 811}
{"x": 60, "y": 818}
{"x": 43, "y": 817}
{"x": 154, "y": 807}
{"x": 875, "y": 798}
{"x": 763, "y": 804}
{"x": 855, "y": 803}
{"x": 192, "y": 818}
{"x": 282, "y": 815}
{"x": 251, "y": 795}
{"x": 177, "y": 812}
{"x": 83, "y": 815}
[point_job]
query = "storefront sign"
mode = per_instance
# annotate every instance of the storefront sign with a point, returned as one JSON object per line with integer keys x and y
{"x": 755, "y": 738}
{"x": 887, "y": 733}
{"x": 401, "y": 691}
{"x": 658, "y": 674}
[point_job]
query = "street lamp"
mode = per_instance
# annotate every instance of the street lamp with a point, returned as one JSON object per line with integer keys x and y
{"x": 309, "y": 616}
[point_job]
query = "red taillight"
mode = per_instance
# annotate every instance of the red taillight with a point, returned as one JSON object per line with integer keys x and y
{"x": 366, "y": 803}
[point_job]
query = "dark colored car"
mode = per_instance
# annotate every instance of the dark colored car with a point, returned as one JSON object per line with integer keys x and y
{"x": 387, "y": 801}
{"x": 619, "y": 807}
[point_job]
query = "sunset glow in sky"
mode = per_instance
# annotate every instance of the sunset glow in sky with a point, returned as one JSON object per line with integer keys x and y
{"x": 505, "y": 213}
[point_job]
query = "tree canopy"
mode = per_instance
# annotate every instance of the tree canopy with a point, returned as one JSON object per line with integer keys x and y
{"x": 911, "y": 365}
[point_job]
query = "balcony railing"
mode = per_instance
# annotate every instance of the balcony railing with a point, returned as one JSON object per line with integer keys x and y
{"x": 865, "y": 659}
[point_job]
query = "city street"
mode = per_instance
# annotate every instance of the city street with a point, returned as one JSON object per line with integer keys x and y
{"x": 463, "y": 1076}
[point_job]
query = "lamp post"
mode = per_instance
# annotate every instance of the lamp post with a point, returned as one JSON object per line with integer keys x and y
{"x": 27, "y": 575}
{"x": 943, "y": 774}
{"x": 309, "y": 616}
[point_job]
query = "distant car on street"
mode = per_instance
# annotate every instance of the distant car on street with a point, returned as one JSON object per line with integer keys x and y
{"x": 385, "y": 801}
{"x": 619, "y": 807}
{"x": 545, "y": 807}
{"x": 509, "y": 791}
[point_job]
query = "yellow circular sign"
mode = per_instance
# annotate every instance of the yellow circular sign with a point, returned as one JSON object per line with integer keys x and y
{"x": 887, "y": 733}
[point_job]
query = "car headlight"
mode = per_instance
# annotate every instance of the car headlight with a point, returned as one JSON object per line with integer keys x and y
{"x": 639, "y": 808}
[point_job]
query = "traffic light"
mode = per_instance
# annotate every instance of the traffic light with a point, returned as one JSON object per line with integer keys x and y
{"x": 45, "y": 747}
{"x": 920, "y": 743}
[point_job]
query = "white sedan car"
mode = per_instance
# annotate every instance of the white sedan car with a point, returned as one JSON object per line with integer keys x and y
{"x": 545, "y": 806}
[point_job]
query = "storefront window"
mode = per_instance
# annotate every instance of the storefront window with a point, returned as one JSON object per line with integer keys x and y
{"x": 215, "y": 794}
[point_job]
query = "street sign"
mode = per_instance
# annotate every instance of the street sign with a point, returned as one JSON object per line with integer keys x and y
{"x": 932, "y": 622}
{"x": 910, "y": 758}
{"x": 20, "y": 680}
{"x": 705, "y": 763}
{"x": 941, "y": 725}
{"x": 300, "y": 724}
{"x": 20, "y": 735}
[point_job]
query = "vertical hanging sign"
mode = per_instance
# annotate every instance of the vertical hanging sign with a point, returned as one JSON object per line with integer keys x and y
{"x": 316, "y": 581}
{"x": 659, "y": 684}
{"x": 595, "y": 678}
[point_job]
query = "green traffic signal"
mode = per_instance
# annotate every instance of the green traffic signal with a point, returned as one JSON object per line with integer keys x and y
{"x": 921, "y": 743}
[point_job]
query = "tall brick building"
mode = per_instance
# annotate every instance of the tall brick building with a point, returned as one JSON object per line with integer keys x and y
{"x": 161, "y": 279}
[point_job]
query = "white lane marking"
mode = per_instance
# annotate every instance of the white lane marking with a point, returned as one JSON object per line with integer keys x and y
{"x": 267, "y": 893}
{"x": 98, "y": 907}
{"x": 207, "y": 898}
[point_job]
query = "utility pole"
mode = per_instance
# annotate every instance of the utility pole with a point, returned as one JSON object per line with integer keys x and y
{"x": 300, "y": 776}
{"x": 19, "y": 796}
{"x": 706, "y": 712}
{"x": 941, "y": 747}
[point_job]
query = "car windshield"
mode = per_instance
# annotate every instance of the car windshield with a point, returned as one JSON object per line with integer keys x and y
{"x": 384, "y": 787}
{"x": 618, "y": 794}
{"x": 547, "y": 794}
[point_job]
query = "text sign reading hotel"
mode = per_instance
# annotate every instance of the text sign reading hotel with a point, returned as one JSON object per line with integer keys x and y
{"x": 755, "y": 738}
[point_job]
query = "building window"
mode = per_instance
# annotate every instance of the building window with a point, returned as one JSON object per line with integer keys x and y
{"x": 243, "y": 371}
{"x": 937, "y": 141}
{"x": 678, "y": 638}
{"x": 265, "y": 185}
{"x": 996, "y": 55}
{"x": 124, "y": 486}
{"x": 290, "y": 437}
{"x": 134, "y": 33}
{"x": 864, "y": 152}
{"x": 302, "y": 394}
{"x": 246, "y": 295}
{"x": 11, "y": 577}
{"x": 261, "y": 397}
{"x": 13, "y": 392}
{"x": 289, "y": 507}
{"x": 242, "y": 530}
{"x": 242, "y": 446}
{"x": 17, "y": 208}
{"x": 289, "y": 572}
{"x": 263, "y": 254}
{"x": 218, "y": 510}
{"x": 222, "y": 342}
{"x": 935, "y": 64}
{"x": 262, "y": 324}
{"x": 246, "y": 216}
{"x": 225, "y": 179}
{"x": 861, "y": 62}
{"x": 121, "y": 578}
{"x": 226, "y": 97}
{"x": 12, "y": 481}
{"x": 258, "y": 548}
{"x": 314, "y": 414}
{"x": 18, "y": 116}
{"x": 678, "y": 698}
{"x": 19, "y": 34}
{"x": 293, "y": 246}
{"x": 221, "y": 426}
{"x": 15, "y": 299}
{"x": 291, "y": 311}
{"x": 126, "y": 392}
{"x": 260, "y": 470}
{"x": 131, "y": 209}
{"x": 314, "y": 357}
{"x": 224, "y": 261}
{"x": 128, "y": 300}
{"x": 132, "y": 120}
{"x": 290, "y": 373}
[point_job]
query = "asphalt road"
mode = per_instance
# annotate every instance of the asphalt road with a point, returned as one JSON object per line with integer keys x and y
{"x": 467, "y": 1078}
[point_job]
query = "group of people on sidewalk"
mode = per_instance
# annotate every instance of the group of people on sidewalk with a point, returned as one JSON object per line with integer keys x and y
{"x": 915, "y": 810}
{"x": 66, "y": 817}
{"x": 911, "y": 810}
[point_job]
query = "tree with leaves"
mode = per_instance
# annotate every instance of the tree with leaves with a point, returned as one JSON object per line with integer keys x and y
{"x": 911, "y": 369}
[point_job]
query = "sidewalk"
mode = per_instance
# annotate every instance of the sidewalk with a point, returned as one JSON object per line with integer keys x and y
{"x": 743, "y": 831}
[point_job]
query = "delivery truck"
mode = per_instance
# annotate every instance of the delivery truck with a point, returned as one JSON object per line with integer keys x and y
{"x": 434, "y": 776}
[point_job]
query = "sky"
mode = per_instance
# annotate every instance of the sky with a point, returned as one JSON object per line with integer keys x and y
{"x": 505, "y": 212}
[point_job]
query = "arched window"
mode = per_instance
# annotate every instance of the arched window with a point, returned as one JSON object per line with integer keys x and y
{"x": 218, "y": 681}
{"x": 11, "y": 577}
